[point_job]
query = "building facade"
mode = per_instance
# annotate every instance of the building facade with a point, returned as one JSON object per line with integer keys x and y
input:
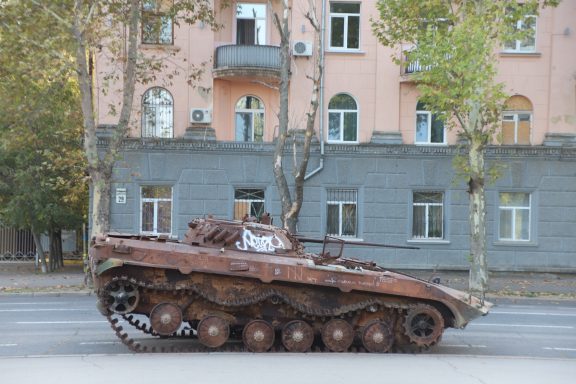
{"x": 381, "y": 164}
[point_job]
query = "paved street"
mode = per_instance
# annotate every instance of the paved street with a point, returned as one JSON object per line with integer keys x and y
{"x": 71, "y": 325}
{"x": 44, "y": 336}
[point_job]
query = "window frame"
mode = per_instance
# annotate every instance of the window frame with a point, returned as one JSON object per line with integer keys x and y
{"x": 341, "y": 113}
{"x": 252, "y": 112}
{"x": 516, "y": 120}
{"x": 158, "y": 13}
{"x": 156, "y": 201}
{"x": 345, "y": 16}
{"x": 513, "y": 217}
{"x": 426, "y": 219}
{"x": 431, "y": 117}
{"x": 518, "y": 47}
{"x": 340, "y": 203}
{"x": 156, "y": 130}
{"x": 249, "y": 201}
{"x": 265, "y": 19}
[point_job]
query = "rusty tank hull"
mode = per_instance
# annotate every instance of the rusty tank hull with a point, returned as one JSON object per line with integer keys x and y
{"x": 233, "y": 281}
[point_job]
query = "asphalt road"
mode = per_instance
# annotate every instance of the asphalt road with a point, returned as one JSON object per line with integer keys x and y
{"x": 71, "y": 325}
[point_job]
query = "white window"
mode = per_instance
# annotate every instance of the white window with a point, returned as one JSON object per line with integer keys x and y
{"x": 526, "y": 25}
{"x": 249, "y": 119}
{"x": 342, "y": 213}
{"x": 428, "y": 215}
{"x": 157, "y": 27}
{"x": 157, "y": 113}
{"x": 342, "y": 119}
{"x": 514, "y": 216}
{"x": 344, "y": 26}
{"x": 429, "y": 128}
{"x": 248, "y": 202}
{"x": 156, "y": 209}
{"x": 250, "y": 24}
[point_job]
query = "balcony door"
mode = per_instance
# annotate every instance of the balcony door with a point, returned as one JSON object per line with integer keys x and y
{"x": 250, "y": 24}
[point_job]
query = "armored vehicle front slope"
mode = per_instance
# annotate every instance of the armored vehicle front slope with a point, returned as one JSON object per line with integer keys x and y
{"x": 232, "y": 280}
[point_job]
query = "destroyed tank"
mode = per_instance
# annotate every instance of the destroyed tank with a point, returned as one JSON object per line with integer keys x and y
{"x": 252, "y": 286}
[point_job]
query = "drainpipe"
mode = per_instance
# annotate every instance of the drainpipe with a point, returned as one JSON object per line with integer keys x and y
{"x": 321, "y": 96}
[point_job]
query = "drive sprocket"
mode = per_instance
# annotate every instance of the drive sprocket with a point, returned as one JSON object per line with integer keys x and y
{"x": 423, "y": 325}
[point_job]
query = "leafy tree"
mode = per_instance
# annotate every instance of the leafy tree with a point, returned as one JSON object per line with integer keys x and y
{"x": 108, "y": 30}
{"x": 456, "y": 42}
{"x": 42, "y": 181}
{"x": 42, "y": 166}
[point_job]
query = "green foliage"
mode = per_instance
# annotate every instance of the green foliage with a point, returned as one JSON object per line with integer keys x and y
{"x": 456, "y": 42}
{"x": 42, "y": 166}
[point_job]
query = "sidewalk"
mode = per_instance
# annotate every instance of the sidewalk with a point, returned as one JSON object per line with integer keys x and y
{"x": 23, "y": 278}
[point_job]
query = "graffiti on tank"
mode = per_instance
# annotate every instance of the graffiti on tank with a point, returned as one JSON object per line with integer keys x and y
{"x": 258, "y": 243}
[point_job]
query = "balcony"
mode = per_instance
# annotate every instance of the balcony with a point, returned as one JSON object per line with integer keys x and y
{"x": 414, "y": 67}
{"x": 247, "y": 62}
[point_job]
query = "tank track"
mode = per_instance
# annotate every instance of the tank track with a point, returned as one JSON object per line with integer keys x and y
{"x": 192, "y": 291}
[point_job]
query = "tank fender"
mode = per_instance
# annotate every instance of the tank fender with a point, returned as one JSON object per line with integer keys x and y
{"x": 108, "y": 264}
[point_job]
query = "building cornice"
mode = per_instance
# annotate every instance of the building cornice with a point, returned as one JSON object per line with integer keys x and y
{"x": 364, "y": 150}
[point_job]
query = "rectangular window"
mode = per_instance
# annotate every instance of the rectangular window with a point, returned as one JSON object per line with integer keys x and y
{"x": 342, "y": 213}
{"x": 248, "y": 202}
{"x": 429, "y": 129}
{"x": 516, "y": 128}
{"x": 250, "y": 24}
{"x": 428, "y": 215}
{"x": 527, "y": 26}
{"x": 156, "y": 209}
{"x": 345, "y": 26}
{"x": 157, "y": 26}
{"x": 514, "y": 212}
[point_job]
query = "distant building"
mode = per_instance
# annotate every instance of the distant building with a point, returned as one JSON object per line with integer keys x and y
{"x": 381, "y": 163}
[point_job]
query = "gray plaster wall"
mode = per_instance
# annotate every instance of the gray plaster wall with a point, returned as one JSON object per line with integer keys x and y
{"x": 204, "y": 179}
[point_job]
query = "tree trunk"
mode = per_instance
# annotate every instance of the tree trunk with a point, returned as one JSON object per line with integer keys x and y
{"x": 100, "y": 168}
{"x": 39, "y": 250}
{"x": 300, "y": 173}
{"x": 479, "y": 267}
{"x": 56, "y": 257}
{"x": 55, "y": 250}
{"x": 59, "y": 247}
{"x": 288, "y": 222}
{"x": 101, "y": 189}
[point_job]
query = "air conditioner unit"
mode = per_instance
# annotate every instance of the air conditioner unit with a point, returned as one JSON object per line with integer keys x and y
{"x": 200, "y": 115}
{"x": 302, "y": 48}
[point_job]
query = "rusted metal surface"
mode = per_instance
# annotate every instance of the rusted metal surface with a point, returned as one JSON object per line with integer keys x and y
{"x": 249, "y": 281}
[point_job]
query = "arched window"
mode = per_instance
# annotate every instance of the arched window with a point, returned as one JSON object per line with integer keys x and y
{"x": 249, "y": 119}
{"x": 342, "y": 118}
{"x": 429, "y": 128}
{"x": 157, "y": 113}
{"x": 517, "y": 121}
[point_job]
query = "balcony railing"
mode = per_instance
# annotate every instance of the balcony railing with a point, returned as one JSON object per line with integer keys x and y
{"x": 414, "y": 67}
{"x": 247, "y": 60}
{"x": 258, "y": 56}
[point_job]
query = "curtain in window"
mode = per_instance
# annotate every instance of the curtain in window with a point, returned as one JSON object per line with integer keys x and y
{"x": 514, "y": 216}
{"x": 428, "y": 215}
{"x": 341, "y": 212}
